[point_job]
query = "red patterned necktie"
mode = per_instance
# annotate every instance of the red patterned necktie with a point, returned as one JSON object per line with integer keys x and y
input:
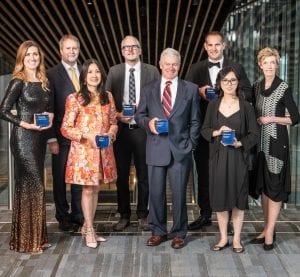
{"x": 167, "y": 99}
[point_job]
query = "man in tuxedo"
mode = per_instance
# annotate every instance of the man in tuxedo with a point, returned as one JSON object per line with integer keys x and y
{"x": 204, "y": 74}
{"x": 176, "y": 101}
{"x": 125, "y": 81}
{"x": 64, "y": 80}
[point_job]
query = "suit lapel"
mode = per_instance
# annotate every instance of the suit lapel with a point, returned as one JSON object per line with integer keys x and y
{"x": 156, "y": 95}
{"x": 64, "y": 75}
{"x": 207, "y": 74}
{"x": 179, "y": 96}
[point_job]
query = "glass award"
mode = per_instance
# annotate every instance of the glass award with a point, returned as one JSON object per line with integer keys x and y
{"x": 41, "y": 120}
{"x": 162, "y": 126}
{"x": 210, "y": 93}
{"x": 102, "y": 141}
{"x": 228, "y": 137}
{"x": 128, "y": 110}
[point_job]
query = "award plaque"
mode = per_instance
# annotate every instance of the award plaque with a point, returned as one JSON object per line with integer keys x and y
{"x": 128, "y": 110}
{"x": 162, "y": 126}
{"x": 41, "y": 120}
{"x": 102, "y": 141}
{"x": 228, "y": 137}
{"x": 210, "y": 93}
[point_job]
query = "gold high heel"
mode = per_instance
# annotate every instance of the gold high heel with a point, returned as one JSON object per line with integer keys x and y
{"x": 90, "y": 233}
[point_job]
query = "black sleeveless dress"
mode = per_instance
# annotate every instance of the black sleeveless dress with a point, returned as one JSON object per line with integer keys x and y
{"x": 228, "y": 172}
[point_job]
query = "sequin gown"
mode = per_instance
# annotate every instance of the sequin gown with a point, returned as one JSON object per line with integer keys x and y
{"x": 28, "y": 231}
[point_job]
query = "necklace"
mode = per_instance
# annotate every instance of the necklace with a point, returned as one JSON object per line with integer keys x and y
{"x": 230, "y": 104}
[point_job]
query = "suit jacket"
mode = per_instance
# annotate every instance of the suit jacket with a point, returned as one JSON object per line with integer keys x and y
{"x": 199, "y": 74}
{"x": 184, "y": 123}
{"x": 61, "y": 86}
{"x": 116, "y": 78}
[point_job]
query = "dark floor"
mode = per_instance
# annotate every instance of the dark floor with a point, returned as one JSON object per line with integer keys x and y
{"x": 126, "y": 254}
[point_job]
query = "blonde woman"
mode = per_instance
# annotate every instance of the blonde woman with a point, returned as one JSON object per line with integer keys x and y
{"x": 28, "y": 91}
{"x": 273, "y": 178}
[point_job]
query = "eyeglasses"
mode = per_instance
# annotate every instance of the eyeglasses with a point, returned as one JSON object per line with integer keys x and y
{"x": 231, "y": 81}
{"x": 130, "y": 47}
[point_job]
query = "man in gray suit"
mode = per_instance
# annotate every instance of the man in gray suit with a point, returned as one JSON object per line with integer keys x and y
{"x": 169, "y": 153}
{"x": 125, "y": 81}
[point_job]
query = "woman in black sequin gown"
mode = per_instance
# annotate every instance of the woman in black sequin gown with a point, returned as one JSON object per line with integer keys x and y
{"x": 28, "y": 92}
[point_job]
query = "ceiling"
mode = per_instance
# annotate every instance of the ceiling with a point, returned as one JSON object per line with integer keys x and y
{"x": 101, "y": 25}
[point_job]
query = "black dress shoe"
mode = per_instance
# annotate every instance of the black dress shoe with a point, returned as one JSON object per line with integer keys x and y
{"x": 65, "y": 225}
{"x": 230, "y": 230}
{"x": 268, "y": 247}
{"x": 200, "y": 222}
{"x": 122, "y": 224}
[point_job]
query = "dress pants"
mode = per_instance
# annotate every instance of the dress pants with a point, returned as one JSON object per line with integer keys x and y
{"x": 59, "y": 162}
{"x": 178, "y": 173}
{"x": 131, "y": 142}
{"x": 201, "y": 156}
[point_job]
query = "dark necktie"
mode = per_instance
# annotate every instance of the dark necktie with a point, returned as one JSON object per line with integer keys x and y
{"x": 211, "y": 64}
{"x": 167, "y": 99}
{"x": 131, "y": 86}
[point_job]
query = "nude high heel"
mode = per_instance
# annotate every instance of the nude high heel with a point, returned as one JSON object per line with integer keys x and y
{"x": 97, "y": 238}
{"x": 90, "y": 234}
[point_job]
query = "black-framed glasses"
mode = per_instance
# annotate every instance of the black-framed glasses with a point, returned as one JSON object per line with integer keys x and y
{"x": 130, "y": 47}
{"x": 231, "y": 81}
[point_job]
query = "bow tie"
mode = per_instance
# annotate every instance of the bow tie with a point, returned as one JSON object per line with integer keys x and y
{"x": 210, "y": 64}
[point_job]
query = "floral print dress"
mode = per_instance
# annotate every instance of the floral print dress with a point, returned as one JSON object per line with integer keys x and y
{"x": 87, "y": 165}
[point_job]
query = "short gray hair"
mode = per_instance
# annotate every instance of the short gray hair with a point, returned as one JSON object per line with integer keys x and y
{"x": 170, "y": 52}
{"x": 133, "y": 38}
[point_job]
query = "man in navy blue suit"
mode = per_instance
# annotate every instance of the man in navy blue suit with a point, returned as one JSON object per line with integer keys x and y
{"x": 176, "y": 101}
{"x": 60, "y": 78}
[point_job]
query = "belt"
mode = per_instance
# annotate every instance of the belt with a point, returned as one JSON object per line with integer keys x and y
{"x": 131, "y": 126}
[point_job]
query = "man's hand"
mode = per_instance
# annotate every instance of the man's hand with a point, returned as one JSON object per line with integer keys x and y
{"x": 124, "y": 119}
{"x": 152, "y": 125}
{"x": 202, "y": 91}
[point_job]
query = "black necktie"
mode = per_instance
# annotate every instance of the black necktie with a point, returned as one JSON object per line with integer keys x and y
{"x": 211, "y": 64}
{"x": 131, "y": 86}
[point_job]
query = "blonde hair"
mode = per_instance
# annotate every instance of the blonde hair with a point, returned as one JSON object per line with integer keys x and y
{"x": 70, "y": 37}
{"x": 268, "y": 52}
{"x": 19, "y": 70}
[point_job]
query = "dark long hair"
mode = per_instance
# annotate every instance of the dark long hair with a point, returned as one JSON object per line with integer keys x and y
{"x": 221, "y": 75}
{"x": 84, "y": 92}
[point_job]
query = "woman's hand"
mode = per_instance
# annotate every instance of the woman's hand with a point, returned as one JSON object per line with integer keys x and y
{"x": 217, "y": 133}
{"x": 263, "y": 120}
{"x": 236, "y": 143}
{"x": 91, "y": 138}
